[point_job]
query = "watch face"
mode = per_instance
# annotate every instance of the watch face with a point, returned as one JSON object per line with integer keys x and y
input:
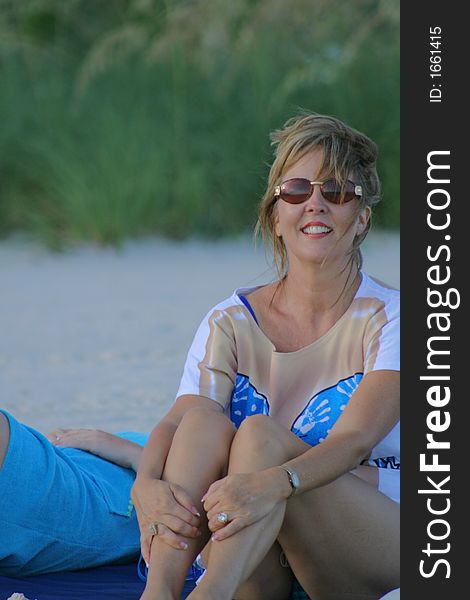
{"x": 295, "y": 479}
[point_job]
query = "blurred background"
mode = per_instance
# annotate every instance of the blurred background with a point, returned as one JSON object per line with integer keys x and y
{"x": 123, "y": 118}
{"x": 134, "y": 149}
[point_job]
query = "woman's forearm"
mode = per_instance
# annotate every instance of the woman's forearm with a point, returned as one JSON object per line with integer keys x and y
{"x": 322, "y": 464}
{"x": 120, "y": 451}
{"x": 370, "y": 414}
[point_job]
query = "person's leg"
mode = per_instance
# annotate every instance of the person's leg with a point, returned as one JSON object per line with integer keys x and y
{"x": 272, "y": 579}
{"x": 232, "y": 562}
{"x": 341, "y": 540}
{"x": 350, "y": 533}
{"x": 198, "y": 456}
{"x": 4, "y": 437}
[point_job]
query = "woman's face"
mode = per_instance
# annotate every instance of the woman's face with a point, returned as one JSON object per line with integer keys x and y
{"x": 317, "y": 229}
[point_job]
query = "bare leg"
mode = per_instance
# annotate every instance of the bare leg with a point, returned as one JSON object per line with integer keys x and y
{"x": 272, "y": 579}
{"x": 198, "y": 456}
{"x": 350, "y": 532}
{"x": 341, "y": 540}
{"x": 232, "y": 561}
{"x": 4, "y": 437}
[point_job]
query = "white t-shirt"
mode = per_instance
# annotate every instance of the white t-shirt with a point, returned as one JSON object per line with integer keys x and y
{"x": 232, "y": 362}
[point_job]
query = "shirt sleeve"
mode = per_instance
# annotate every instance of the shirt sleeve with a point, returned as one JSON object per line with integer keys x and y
{"x": 382, "y": 342}
{"x": 211, "y": 365}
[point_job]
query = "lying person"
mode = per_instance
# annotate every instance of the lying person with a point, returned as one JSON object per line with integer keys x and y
{"x": 65, "y": 498}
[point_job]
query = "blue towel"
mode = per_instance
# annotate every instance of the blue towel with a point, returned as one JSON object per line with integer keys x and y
{"x": 103, "y": 583}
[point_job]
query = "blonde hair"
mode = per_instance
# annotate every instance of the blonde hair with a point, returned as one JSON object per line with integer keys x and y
{"x": 346, "y": 153}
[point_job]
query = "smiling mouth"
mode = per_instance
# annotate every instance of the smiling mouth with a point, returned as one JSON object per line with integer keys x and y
{"x": 316, "y": 229}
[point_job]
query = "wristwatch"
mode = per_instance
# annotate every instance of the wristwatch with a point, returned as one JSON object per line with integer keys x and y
{"x": 293, "y": 479}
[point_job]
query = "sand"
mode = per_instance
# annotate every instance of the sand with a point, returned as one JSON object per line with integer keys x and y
{"x": 98, "y": 337}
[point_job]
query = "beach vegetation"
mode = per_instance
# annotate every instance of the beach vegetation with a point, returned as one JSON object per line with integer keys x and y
{"x": 123, "y": 118}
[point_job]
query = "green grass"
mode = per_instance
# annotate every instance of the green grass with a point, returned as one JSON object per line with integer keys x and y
{"x": 175, "y": 146}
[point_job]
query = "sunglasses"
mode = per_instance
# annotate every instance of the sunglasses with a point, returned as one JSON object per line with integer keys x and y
{"x": 297, "y": 190}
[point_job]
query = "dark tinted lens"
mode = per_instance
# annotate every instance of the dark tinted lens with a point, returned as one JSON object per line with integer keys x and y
{"x": 296, "y": 190}
{"x": 331, "y": 190}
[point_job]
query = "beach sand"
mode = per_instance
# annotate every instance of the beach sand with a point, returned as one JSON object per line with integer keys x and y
{"x": 98, "y": 338}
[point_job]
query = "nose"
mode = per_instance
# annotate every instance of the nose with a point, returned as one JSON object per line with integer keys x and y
{"x": 315, "y": 202}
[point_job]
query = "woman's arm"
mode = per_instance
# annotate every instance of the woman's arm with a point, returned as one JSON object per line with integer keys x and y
{"x": 370, "y": 414}
{"x": 106, "y": 445}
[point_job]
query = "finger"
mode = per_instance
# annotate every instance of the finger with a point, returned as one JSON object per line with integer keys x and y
{"x": 229, "y": 529}
{"x": 214, "y": 524}
{"x": 178, "y": 526}
{"x": 212, "y": 488}
{"x": 53, "y": 435}
{"x": 67, "y": 439}
{"x": 145, "y": 547}
{"x": 55, "y": 432}
{"x": 171, "y": 538}
{"x": 211, "y": 502}
{"x": 184, "y": 499}
{"x": 182, "y": 513}
{"x": 220, "y": 506}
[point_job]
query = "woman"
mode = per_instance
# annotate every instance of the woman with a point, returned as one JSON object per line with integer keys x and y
{"x": 308, "y": 485}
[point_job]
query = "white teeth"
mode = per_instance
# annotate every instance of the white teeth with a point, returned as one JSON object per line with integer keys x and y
{"x": 316, "y": 229}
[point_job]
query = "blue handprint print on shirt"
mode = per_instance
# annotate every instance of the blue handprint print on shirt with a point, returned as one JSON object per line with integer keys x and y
{"x": 323, "y": 410}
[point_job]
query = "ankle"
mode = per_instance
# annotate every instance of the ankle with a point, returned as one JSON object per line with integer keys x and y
{"x": 209, "y": 592}
{"x": 150, "y": 593}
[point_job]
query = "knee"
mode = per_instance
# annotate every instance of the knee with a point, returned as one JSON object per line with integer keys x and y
{"x": 4, "y": 437}
{"x": 258, "y": 432}
{"x": 256, "y": 426}
{"x": 201, "y": 419}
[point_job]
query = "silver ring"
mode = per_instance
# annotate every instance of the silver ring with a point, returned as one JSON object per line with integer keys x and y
{"x": 222, "y": 517}
{"x": 153, "y": 528}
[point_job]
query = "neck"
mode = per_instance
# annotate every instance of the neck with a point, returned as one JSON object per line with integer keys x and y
{"x": 309, "y": 291}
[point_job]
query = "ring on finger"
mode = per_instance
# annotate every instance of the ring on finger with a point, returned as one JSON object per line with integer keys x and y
{"x": 153, "y": 528}
{"x": 222, "y": 517}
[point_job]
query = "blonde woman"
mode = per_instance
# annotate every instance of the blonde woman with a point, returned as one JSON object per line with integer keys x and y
{"x": 279, "y": 460}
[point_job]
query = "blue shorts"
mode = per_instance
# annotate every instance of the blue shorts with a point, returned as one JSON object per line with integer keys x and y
{"x": 63, "y": 508}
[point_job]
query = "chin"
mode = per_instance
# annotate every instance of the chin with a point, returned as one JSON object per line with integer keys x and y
{"x": 316, "y": 259}
{"x": 322, "y": 258}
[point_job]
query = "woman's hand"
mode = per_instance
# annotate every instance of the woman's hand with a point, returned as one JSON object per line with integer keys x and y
{"x": 105, "y": 445}
{"x": 90, "y": 440}
{"x": 245, "y": 498}
{"x": 170, "y": 507}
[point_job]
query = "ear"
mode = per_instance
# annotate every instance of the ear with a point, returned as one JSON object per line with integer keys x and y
{"x": 363, "y": 220}
{"x": 277, "y": 227}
